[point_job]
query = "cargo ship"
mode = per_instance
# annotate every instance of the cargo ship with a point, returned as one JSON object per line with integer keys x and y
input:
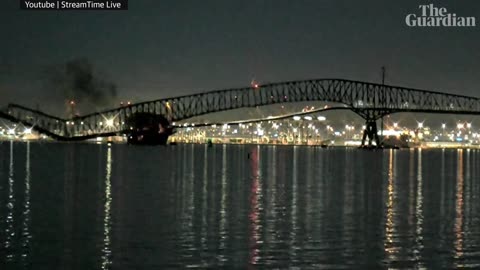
{"x": 148, "y": 129}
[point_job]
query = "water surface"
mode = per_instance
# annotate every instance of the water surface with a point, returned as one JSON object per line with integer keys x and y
{"x": 87, "y": 206}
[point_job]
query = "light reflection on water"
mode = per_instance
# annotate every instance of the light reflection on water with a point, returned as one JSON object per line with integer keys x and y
{"x": 389, "y": 225}
{"x": 10, "y": 219}
{"x": 458, "y": 227}
{"x": 419, "y": 213}
{"x": 106, "y": 251}
{"x": 26, "y": 210}
{"x": 81, "y": 206}
{"x": 255, "y": 208}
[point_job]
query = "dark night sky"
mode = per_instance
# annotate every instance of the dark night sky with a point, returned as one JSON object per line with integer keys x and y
{"x": 160, "y": 48}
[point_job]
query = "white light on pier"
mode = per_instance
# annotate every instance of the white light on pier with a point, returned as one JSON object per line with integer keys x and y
{"x": 27, "y": 131}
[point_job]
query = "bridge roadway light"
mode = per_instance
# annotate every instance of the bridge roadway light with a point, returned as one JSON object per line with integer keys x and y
{"x": 321, "y": 118}
{"x": 297, "y": 118}
{"x": 420, "y": 124}
{"x": 11, "y": 131}
{"x": 27, "y": 131}
{"x": 309, "y": 118}
{"x": 444, "y": 126}
{"x": 109, "y": 122}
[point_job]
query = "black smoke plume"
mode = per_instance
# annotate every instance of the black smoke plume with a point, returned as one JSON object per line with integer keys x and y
{"x": 77, "y": 80}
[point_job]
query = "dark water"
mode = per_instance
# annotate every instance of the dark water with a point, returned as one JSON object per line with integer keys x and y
{"x": 81, "y": 206}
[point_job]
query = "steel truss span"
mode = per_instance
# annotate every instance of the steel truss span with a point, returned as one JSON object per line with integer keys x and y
{"x": 369, "y": 100}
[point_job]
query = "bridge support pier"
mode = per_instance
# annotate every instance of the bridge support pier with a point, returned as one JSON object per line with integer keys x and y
{"x": 370, "y": 132}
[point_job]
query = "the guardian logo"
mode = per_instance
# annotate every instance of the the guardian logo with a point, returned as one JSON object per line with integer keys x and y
{"x": 431, "y": 16}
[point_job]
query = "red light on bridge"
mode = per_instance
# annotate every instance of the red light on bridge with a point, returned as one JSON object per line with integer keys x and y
{"x": 254, "y": 84}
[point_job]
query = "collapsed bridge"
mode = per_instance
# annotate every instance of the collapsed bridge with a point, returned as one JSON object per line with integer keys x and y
{"x": 370, "y": 101}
